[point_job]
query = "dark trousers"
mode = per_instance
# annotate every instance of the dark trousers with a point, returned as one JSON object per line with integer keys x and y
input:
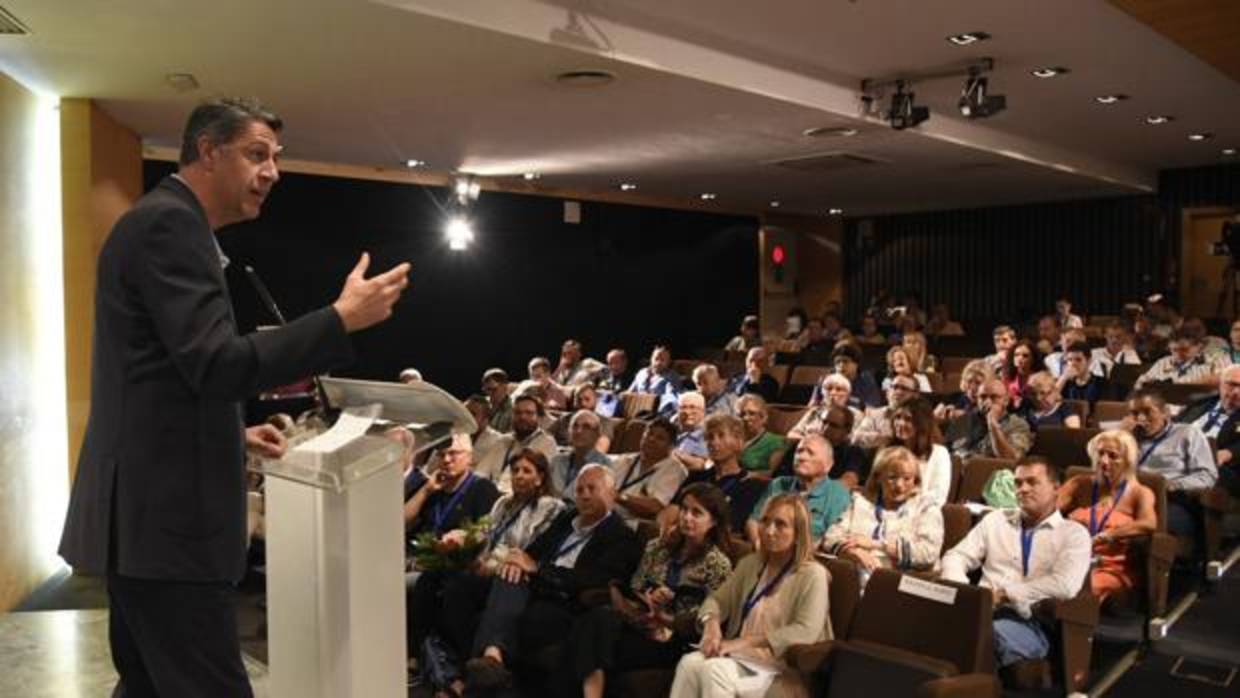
{"x": 498, "y": 626}
{"x": 600, "y": 639}
{"x": 1185, "y": 518}
{"x": 460, "y": 611}
{"x": 175, "y": 639}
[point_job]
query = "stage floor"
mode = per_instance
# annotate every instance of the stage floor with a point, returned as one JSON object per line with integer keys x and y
{"x": 64, "y": 654}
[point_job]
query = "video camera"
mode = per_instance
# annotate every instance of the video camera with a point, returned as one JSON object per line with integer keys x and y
{"x": 1229, "y": 242}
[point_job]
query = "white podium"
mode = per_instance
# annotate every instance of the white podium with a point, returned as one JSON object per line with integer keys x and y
{"x": 335, "y": 546}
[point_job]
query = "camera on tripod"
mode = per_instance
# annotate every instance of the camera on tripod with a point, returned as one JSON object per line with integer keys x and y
{"x": 1229, "y": 242}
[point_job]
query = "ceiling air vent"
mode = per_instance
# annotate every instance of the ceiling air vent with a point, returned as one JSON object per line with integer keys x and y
{"x": 9, "y": 26}
{"x": 826, "y": 162}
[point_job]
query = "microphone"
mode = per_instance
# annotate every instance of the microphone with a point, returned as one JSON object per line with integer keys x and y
{"x": 270, "y": 303}
{"x": 264, "y": 294}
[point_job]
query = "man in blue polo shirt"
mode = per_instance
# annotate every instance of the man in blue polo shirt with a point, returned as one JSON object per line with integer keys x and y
{"x": 825, "y": 498}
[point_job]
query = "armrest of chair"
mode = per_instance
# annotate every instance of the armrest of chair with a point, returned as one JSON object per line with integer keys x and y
{"x": 810, "y": 658}
{"x": 895, "y": 655}
{"x": 1081, "y": 610}
{"x": 963, "y": 686}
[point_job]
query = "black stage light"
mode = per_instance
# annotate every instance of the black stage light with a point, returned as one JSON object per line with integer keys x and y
{"x": 976, "y": 103}
{"x": 904, "y": 113}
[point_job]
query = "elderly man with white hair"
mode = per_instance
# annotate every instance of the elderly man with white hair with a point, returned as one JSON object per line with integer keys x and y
{"x": 714, "y": 390}
{"x": 825, "y": 498}
{"x": 1218, "y": 417}
{"x": 690, "y": 447}
{"x": 583, "y": 432}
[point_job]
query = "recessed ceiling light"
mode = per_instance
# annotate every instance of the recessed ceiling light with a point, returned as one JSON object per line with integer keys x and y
{"x": 1229, "y": 151}
{"x": 181, "y": 82}
{"x": 531, "y": 176}
{"x": 708, "y": 196}
{"x": 1198, "y": 137}
{"x": 414, "y": 163}
{"x": 835, "y": 211}
{"x": 586, "y": 77}
{"x": 830, "y": 132}
{"x": 1110, "y": 99}
{"x": 1159, "y": 119}
{"x": 774, "y": 204}
{"x": 968, "y": 38}
{"x": 627, "y": 186}
{"x": 1049, "y": 71}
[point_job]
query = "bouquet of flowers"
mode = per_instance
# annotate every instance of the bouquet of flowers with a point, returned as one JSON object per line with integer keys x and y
{"x": 455, "y": 550}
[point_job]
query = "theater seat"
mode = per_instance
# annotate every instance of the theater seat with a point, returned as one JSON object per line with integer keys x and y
{"x": 976, "y": 473}
{"x": 896, "y": 644}
{"x": 1108, "y": 411}
{"x": 1062, "y": 446}
{"x": 633, "y": 404}
{"x": 630, "y": 438}
{"x": 782, "y": 417}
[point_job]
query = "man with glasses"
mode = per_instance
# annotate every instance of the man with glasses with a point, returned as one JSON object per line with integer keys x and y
{"x": 874, "y": 429}
{"x": 527, "y": 412}
{"x": 755, "y": 379}
{"x": 990, "y": 431}
{"x": 495, "y": 387}
{"x": 159, "y": 501}
{"x": 1219, "y": 419}
{"x": 1186, "y": 363}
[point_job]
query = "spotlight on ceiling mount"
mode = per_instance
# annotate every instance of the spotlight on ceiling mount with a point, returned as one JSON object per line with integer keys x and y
{"x": 903, "y": 112}
{"x": 975, "y": 100}
{"x": 467, "y": 189}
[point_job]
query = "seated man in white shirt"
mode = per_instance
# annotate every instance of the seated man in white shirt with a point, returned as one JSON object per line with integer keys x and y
{"x": 1026, "y": 555}
{"x": 647, "y": 480}
{"x": 1118, "y": 350}
{"x": 1185, "y": 364}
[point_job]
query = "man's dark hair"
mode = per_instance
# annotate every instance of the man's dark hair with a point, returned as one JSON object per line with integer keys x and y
{"x": 664, "y": 424}
{"x": 847, "y": 351}
{"x": 1078, "y": 348}
{"x": 538, "y": 403}
{"x": 1052, "y": 471}
{"x": 221, "y": 121}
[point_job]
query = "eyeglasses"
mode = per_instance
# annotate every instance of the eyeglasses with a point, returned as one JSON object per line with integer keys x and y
{"x": 750, "y": 413}
{"x": 837, "y": 425}
{"x": 901, "y": 388}
{"x": 991, "y": 396}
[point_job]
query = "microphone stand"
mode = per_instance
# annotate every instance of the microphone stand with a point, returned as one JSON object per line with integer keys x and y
{"x": 324, "y": 408}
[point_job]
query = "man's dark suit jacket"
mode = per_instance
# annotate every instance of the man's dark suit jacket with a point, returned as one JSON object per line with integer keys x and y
{"x": 1228, "y": 432}
{"x": 611, "y": 553}
{"x": 160, "y": 488}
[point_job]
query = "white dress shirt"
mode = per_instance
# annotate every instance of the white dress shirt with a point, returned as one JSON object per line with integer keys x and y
{"x": 936, "y": 475}
{"x": 1058, "y": 561}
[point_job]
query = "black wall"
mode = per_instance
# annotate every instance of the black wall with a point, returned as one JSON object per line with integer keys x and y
{"x": 626, "y": 276}
{"x": 1011, "y": 263}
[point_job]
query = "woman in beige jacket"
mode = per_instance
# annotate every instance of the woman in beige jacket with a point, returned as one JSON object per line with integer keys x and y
{"x": 774, "y": 599}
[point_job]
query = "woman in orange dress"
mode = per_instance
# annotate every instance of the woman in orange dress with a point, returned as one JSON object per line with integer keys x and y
{"x": 1115, "y": 508}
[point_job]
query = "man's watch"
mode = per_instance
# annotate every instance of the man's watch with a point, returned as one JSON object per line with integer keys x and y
{"x": 704, "y": 619}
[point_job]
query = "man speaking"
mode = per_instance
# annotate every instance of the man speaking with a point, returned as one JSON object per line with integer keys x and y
{"x": 158, "y": 505}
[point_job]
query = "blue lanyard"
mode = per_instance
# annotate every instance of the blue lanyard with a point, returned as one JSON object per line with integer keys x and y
{"x": 636, "y": 467}
{"x": 732, "y": 481}
{"x": 500, "y": 530}
{"x": 1214, "y": 418}
{"x": 1026, "y": 548}
{"x": 672, "y": 579}
{"x": 444, "y": 509}
{"x": 878, "y": 514}
{"x": 756, "y": 595}
{"x": 1094, "y": 524}
{"x": 1146, "y": 452}
{"x": 569, "y": 545}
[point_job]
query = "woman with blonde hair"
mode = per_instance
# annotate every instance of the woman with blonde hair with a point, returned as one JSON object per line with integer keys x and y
{"x": 775, "y": 598}
{"x": 1046, "y": 407}
{"x": 900, "y": 363}
{"x": 972, "y": 378}
{"x": 914, "y": 344}
{"x": 1115, "y": 508}
{"x": 889, "y": 523}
